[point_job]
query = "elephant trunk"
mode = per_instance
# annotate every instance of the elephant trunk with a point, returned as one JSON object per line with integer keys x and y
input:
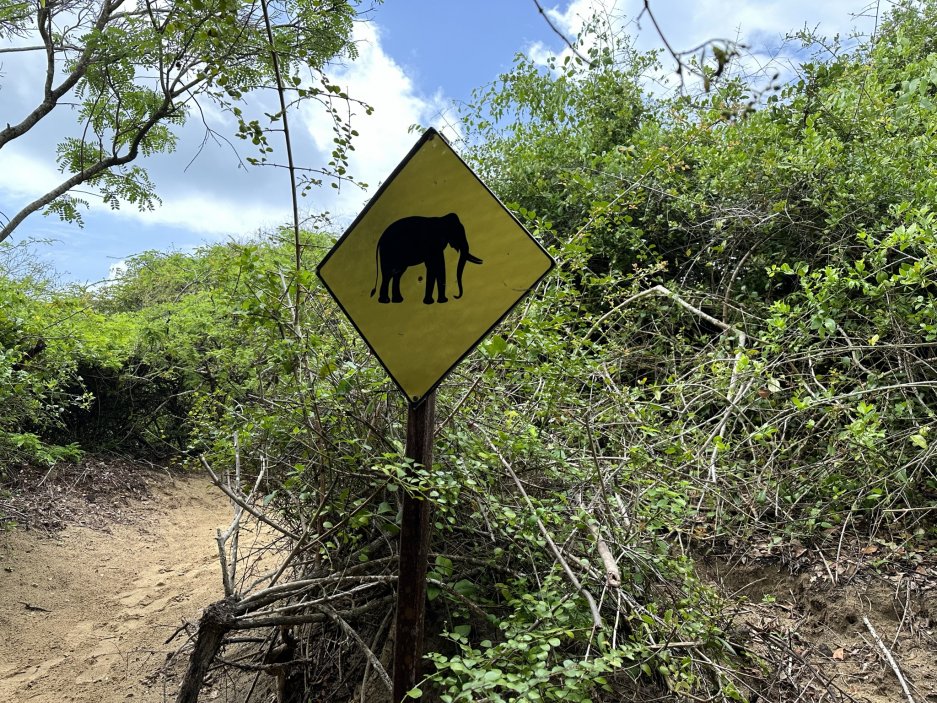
{"x": 463, "y": 257}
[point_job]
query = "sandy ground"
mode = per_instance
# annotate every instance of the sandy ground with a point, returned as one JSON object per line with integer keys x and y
{"x": 85, "y": 613}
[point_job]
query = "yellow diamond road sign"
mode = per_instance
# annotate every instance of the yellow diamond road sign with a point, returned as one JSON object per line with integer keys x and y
{"x": 430, "y": 266}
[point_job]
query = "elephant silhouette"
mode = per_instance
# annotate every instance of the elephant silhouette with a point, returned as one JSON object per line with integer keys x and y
{"x": 415, "y": 240}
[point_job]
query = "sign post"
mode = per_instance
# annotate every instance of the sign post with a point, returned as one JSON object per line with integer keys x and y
{"x": 414, "y": 554}
{"x": 431, "y": 265}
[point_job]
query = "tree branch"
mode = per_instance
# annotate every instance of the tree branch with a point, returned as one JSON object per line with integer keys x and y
{"x": 573, "y": 579}
{"x": 37, "y": 47}
{"x": 92, "y": 171}
{"x": 239, "y": 501}
{"x": 350, "y": 631}
{"x": 546, "y": 18}
{"x": 52, "y": 95}
{"x": 890, "y": 659}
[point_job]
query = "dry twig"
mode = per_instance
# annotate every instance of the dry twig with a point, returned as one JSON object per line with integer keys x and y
{"x": 889, "y": 657}
{"x": 573, "y": 579}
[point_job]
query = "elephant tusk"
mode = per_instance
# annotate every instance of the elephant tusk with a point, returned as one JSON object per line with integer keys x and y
{"x": 465, "y": 256}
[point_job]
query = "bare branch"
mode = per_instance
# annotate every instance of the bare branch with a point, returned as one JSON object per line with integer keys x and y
{"x": 665, "y": 292}
{"x": 558, "y": 33}
{"x": 889, "y": 657}
{"x": 37, "y": 47}
{"x": 573, "y": 579}
{"x": 350, "y": 631}
{"x": 249, "y": 508}
{"x": 612, "y": 572}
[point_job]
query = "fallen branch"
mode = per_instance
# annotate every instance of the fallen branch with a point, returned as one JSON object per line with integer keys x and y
{"x": 350, "y": 631}
{"x": 374, "y": 642}
{"x": 890, "y": 659}
{"x": 292, "y": 589}
{"x": 573, "y": 579}
{"x": 665, "y": 292}
{"x": 214, "y": 624}
{"x": 248, "y": 623}
{"x": 612, "y": 572}
{"x": 239, "y": 501}
{"x": 313, "y": 603}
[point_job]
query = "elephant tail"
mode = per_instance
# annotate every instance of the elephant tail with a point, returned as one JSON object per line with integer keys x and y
{"x": 377, "y": 267}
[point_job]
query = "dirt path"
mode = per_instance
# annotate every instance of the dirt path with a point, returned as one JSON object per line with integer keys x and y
{"x": 84, "y": 614}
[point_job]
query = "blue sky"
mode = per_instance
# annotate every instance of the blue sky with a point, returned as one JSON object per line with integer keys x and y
{"x": 457, "y": 46}
{"x": 417, "y": 57}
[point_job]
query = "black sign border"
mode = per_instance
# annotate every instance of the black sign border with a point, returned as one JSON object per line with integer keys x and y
{"x": 428, "y": 135}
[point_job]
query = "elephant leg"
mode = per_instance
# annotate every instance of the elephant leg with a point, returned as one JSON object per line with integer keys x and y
{"x": 397, "y": 298}
{"x": 387, "y": 273}
{"x": 383, "y": 297}
{"x": 435, "y": 278}
{"x": 441, "y": 281}
{"x": 430, "y": 284}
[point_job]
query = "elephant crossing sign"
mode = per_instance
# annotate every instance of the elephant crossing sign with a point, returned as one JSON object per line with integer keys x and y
{"x": 430, "y": 266}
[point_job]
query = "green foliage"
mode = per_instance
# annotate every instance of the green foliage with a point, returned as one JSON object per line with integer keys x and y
{"x": 138, "y": 74}
{"x": 124, "y": 366}
{"x": 803, "y": 222}
{"x": 33, "y": 375}
{"x": 782, "y": 391}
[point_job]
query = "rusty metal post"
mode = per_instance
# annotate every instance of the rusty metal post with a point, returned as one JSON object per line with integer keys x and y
{"x": 414, "y": 554}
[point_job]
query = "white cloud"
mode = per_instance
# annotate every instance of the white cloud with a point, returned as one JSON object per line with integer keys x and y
{"x": 24, "y": 176}
{"x": 116, "y": 271}
{"x": 384, "y": 137}
{"x": 208, "y": 213}
{"x": 758, "y": 24}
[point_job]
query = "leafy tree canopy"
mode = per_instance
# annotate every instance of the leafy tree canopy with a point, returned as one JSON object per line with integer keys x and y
{"x": 137, "y": 70}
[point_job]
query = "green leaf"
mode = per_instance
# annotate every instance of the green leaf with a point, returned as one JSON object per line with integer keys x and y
{"x": 495, "y": 345}
{"x": 444, "y": 565}
{"x": 464, "y": 587}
